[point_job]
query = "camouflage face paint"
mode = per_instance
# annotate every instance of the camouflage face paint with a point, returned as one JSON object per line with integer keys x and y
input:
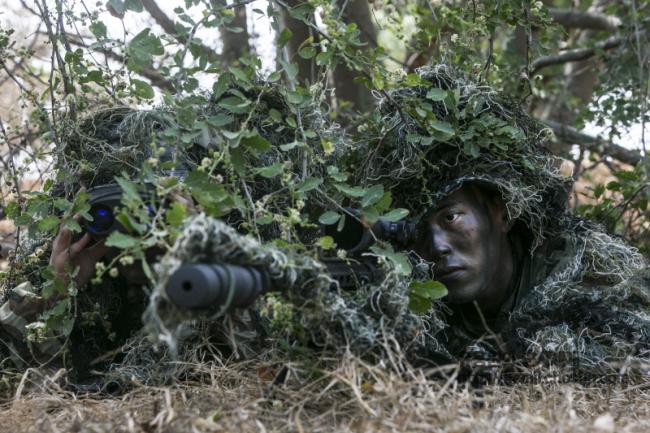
{"x": 467, "y": 241}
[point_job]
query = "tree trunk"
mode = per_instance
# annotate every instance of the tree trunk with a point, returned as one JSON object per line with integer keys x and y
{"x": 235, "y": 44}
{"x": 300, "y": 33}
{"x": 356, "y": 11}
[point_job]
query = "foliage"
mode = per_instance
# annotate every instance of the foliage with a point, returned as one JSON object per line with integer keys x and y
{"x": 260, "y": 146}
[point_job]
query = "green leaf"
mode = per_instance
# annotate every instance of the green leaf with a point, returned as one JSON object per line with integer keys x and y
{"x": 129, "y": 190}
{"x": 121, "y": 240}
{"x": 285, "y": 36}
{"x": 442, "y": 126}
{"x": 290, "y": 68}
{"x": 175, "y": 215}
{"x": 238, "y": 160}
{"x": 235, "y": 104}
{"x": 309, "y": 184}
{"x": 400, "y": 260}
{"x": 256, "y": 143}
{"x": 371, "y": 214}
{"x": 430, "y": 289}
{"x": 350, "y": 191}
{"x": 326, "y": 242}
{"x": 220, "y": 86}
{"x": 240, "y": 75}
{"x": 307, "y": 52}
{"x": 423, "y": 292}
{"x": 418, "y": 304}
{"x": 117, "y": 5}
{"x": 436, "y": 94}
{"x": 329, "y": 218}
{"x": 98, "y": 29}
{"x": 210, "y": 195}
{"x": 323, "y": 58}
{"x": 48, "y": 224}
{"x": 335, "y": 174}
{"x": 395, "y": 215}
{"x": 471, "y": 149}
{"x": 292, "y": 145}
{"x": 275, "y": 115}
{"x": 219, "y": 120}
{"x": 384, "y": 202}
{"x": 274, "y": 76}
{"x": 141, "y": 89}
{"x": 186, "y": 117}
{"x": 142, "y": 48}
{"x": 133, "y": 5}
{"x": 373, "y": 195}
{"x": 72, "y": 225}
{"x": 270, "y": 171}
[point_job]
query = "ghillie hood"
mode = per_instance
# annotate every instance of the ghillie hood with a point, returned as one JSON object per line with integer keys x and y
{"x": 109, "y": 142}
{"x": 446, "y": 130}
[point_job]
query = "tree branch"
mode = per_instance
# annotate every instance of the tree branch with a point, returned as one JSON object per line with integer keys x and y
{"x": 585, "y": 20}
{"x": 596, "y": 144}
{"x": 575, "y": 55}
{"x": 170, "y": 28}
{"x": 155, "y": 77}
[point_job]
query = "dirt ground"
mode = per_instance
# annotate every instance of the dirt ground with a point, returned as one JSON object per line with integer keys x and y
{"x": 352, "y": 397}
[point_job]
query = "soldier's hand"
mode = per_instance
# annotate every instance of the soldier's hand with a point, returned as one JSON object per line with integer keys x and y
{"x": 67, "y": 254}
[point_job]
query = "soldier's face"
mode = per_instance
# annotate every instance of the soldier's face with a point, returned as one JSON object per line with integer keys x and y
{"x": 467, "y": 241}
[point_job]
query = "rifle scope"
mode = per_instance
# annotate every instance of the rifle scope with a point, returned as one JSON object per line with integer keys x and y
{"x": 202, "y": 285}
{"x": 356, "y": 237}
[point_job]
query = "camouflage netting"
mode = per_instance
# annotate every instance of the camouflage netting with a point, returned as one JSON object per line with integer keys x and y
{"x": 586, "y": 301}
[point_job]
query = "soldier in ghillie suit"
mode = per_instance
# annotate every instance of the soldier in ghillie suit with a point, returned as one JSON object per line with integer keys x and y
{"x": 51, "y": 315}
{"x": 527, "y": 281}
{"x": 97, "y": 323}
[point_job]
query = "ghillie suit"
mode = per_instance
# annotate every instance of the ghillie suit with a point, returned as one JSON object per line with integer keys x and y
{"x": 583, "y": 296}
{"x": 215, "y": 153}
{"x": 79, "y": 328}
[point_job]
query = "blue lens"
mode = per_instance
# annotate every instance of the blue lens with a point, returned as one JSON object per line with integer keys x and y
{"x": 103, "y": 219}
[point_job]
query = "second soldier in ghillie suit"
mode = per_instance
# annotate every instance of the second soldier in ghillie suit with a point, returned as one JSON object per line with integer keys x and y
{"x": 574, "y": 296}
{"x": 94, "y": 328}
{"x": 47, "y": 318}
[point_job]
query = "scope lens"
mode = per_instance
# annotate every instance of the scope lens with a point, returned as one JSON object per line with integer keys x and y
{"x": 103, "y": 219}
{"x": 350, "y": 236}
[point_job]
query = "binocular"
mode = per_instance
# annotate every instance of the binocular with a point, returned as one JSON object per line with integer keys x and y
{"x": 104, "y": 200}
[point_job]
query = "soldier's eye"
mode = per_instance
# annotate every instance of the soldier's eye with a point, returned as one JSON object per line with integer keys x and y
{"x": 452, "y": 216}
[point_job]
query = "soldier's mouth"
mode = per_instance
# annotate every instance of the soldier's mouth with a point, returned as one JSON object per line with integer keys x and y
{"x": 451, "y": 273}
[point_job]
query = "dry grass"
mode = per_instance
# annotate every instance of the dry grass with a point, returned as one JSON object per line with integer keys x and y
{"x": 351, "y": 396}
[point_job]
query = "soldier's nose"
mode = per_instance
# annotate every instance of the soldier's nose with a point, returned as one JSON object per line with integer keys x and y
{"x": 439, "y": 244}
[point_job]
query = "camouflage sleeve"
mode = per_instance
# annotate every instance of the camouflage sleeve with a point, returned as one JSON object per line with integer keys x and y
{"x": 594, "y": 331}
{"x": 20, "y": 342}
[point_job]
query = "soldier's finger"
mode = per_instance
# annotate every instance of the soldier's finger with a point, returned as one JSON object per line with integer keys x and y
{"x": 62, "y": 240}
{"x": 76, "y": 247}
{"x": 98, "y": 250}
